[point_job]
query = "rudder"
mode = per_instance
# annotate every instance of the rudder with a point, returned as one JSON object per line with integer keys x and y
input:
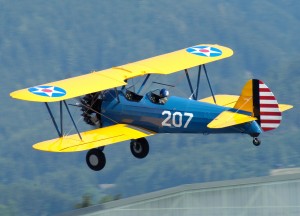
{"x": 259, "y": 100}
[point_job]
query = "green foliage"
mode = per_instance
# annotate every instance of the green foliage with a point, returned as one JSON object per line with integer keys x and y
{"x": 85, "y": 202}
{"x": 42, "y": 41}
{"x": 109, "y": 198}
{"x": 24, "y": 198}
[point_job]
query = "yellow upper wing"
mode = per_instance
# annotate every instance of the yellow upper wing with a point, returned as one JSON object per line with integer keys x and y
{"x": 116, "y": 76}
{"x": 93, "y": 138}
{"x": 72, "y": 87}
{"x": 180, "y": 60}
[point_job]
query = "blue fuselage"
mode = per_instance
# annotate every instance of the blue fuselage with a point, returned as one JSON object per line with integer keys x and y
{"x": 177, "y": 115}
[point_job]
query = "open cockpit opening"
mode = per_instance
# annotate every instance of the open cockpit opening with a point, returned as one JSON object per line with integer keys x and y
{"x": 132, "y": 96}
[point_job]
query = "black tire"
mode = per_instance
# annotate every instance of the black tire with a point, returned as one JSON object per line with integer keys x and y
{"x": 95, "y": 159}
{"x": 139, "y": 148}
{"x": 256, "y": 141}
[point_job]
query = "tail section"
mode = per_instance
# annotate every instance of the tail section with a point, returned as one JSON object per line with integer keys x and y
{"x": 270, "y": 115}
{"x": 259, "y": 100}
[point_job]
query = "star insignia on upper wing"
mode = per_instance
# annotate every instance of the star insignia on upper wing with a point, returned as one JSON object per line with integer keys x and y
{"x": 48, "y": 91}
{"x": 206, "y": 51}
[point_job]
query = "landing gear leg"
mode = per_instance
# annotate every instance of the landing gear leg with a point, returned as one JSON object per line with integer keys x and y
{"x": 256, "y": 141}
{"x": 95, "y": 159}
{"x": 139, "y": 147}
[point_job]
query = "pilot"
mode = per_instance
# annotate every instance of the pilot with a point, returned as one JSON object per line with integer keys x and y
{"x": 164, "y": 93}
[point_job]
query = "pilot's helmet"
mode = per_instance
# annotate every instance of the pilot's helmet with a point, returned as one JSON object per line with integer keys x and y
{"x": 164, "y": 93}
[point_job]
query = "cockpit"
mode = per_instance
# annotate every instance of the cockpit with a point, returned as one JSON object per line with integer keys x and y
{"x": 157, "y": 96}
{"x": 132, "y": 96}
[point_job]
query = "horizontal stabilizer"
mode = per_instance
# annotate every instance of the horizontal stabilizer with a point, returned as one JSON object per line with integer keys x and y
{"x": 227, "y": 119}
{"x": 93, "y": 138}
{"x": 230, "y": 100}
{"x": 285, "y": 107}
{"x": 222, "y": 100}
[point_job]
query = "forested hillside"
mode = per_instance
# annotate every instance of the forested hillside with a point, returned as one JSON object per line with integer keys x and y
{"x": 43, "y": 41}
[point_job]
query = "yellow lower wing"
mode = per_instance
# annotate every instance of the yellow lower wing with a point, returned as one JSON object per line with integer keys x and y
{"x": 227, "y": 119}
{"x": 93, "y": 138}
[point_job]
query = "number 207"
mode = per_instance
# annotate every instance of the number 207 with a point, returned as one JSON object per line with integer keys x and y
{"x": 175, "y": 119}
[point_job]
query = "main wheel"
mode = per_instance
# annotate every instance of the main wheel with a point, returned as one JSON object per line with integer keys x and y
{"x": 95, "y": 159}
{"x": 256, "y": 141}
{"x": 139, "y": 147}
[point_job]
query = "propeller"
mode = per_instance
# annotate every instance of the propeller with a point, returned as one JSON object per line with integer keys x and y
{"x": 90, "y": 105}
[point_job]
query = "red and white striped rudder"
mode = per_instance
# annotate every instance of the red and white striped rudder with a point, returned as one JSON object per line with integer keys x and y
{"x": 269, "y": 113}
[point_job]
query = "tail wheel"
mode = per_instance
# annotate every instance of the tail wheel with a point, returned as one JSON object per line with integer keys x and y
{"x": 139, "y": 147}
{"x": 256, "y": 141}
{"x": 95, "y": 159}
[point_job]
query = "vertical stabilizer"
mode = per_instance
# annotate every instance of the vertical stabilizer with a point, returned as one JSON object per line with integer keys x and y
{"x": 270, "y": 115}
{"x": 258, "y": 99}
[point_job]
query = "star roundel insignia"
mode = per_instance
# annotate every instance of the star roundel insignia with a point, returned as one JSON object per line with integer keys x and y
{"x": 206, "y": 51}
{"x": 47, "y": 91}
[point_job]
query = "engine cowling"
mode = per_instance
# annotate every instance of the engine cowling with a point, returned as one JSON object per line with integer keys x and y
{"x": 91, "y": 109}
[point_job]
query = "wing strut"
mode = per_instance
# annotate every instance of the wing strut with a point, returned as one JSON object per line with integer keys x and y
{"x": 117, "y": 95}
{"x": 212, "y": 93}
{"x": 61, "y": 117}
{"x": 53, "y": 120}
{"x": 196, "y": 91}
{"x": 145, "y": 80}
{"x": 66, "y": 105}
{"x": 190, "y": 84}
{"x": 60, "y": 132}
{"x": 198, "y": 81}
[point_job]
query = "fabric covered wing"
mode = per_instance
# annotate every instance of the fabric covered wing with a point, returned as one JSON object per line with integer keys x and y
{"x": 93, "y": 138}
{"x": 72, "y": 87}
{"x": 116, "y": 76}
{"x": 180, "y": 60}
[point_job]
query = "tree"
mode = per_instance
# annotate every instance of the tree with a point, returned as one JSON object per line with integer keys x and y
{"x": 85, "y": 202}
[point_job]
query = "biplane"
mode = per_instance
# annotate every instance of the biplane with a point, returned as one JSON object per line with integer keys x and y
{"x": 119, "y": 114}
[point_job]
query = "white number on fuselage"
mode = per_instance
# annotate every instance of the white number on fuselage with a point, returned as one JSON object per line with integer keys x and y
{"x": 176, "y": 118}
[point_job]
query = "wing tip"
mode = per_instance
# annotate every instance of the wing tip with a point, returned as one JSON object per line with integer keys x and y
{"x": 285, "y": 107}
